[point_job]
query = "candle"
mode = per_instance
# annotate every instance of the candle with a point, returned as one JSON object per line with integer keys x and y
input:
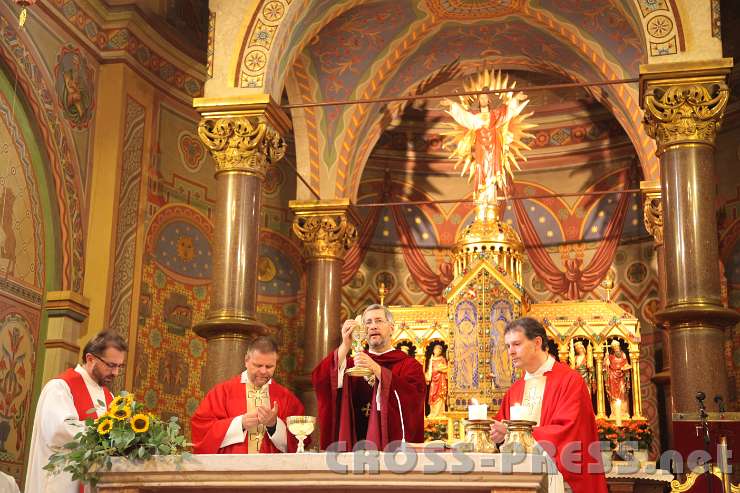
{"x": 477, "y": 411}
{"x": 722, "y": 456}
{"x": 618, "y": 403}
{"x": 516, "y": 412}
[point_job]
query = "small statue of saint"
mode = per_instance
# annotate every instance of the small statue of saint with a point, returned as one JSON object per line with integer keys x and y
{"x": 436, "y": 377}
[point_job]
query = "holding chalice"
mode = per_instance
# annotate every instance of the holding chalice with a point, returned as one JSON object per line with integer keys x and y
{"x": 359, "y": 336}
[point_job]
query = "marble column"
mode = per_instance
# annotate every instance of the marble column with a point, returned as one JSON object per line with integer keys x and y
{"x": 653, "y": 217}
{"x": 684, "y": 104}
{"x": 327, "y": 234}
{"x": 244, "y": 138}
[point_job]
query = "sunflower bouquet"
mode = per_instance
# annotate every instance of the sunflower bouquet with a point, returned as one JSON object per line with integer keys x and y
{"x": 125, "y": 430}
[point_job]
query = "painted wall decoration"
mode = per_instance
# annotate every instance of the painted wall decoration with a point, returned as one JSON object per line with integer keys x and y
{"x": 129, "y": 192}
{"x": 19, "y": 333}
{"x": 191, "y": 150}
{"x": 75, "y": 86}
{"x": 63, "y": 164}
{"x": 21, "y": 225}
{"x": 174, "y": 294}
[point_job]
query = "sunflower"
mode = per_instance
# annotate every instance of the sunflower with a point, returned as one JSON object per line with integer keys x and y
{"x": 123, "y": 412}
{"x": 105, "y": 426}
{"x": 140, "y": 423}
{"x": 122, "y": 400}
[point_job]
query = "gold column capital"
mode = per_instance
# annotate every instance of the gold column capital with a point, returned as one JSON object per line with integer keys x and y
{"x": 323, "y": 227}
{"x": 243, "y": 133}
{"x": 684, "y": 102}
{"x": 653, "y": 209}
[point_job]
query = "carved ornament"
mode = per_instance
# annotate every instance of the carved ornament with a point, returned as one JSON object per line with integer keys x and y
{"x": 685, "y": 112}
{"x": 326, "y": 235}
{"x": 244, "y": 143}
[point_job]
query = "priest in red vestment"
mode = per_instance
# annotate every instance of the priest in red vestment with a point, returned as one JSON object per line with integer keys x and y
{"x": 66, "y": 402}
{"x": 383, "y": 408}
{"x": 247, "y": 414}
{"x": 556, "y": 397}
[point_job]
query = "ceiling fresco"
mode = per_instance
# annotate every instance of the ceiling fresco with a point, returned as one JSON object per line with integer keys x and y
{"x": 357, "y": 50}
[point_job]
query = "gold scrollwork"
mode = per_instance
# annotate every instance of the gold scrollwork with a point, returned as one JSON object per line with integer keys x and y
{"x": 247, "y": 144}
{"x": 689, "y": 112}
{"x": 325, "y": 236}
{"x": 653, "y": 215}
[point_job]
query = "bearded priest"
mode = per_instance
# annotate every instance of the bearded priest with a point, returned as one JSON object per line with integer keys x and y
{"x": 66, "y": 402}
{"x": 247, "y": 414}
{"x": 555, "y": 396}
{"x": 382, "y": 408}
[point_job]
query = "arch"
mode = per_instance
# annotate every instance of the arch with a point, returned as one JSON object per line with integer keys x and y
{"x": 34, "y": 82}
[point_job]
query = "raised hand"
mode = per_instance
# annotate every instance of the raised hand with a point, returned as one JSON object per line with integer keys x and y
{"x": 347, "y": 327}
{"x": 267, "y": 416}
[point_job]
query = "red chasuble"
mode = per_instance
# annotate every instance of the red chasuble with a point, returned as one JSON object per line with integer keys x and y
{"x": 81, "y": 396}
{"x": 227, "y": 400}
{"x": 350, "y": 414}
{"x": 567, "y": 418}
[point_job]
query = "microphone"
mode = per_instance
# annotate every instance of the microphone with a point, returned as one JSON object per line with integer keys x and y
{"x": 403, "y": 428}
{"x": 720, "y": 403}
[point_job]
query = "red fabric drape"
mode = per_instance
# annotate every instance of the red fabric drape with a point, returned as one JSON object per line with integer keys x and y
{"x": 430, "y": 282}
{"x": 574, "y": 282}
{"x": 356, "y": 254}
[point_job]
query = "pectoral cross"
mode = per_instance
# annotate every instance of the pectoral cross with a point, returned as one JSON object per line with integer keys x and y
{"x": 257, "y": 395}
{"x": 366, "y": 410}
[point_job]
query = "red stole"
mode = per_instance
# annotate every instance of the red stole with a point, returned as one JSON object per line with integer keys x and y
{"x": 567, "y": 418}
{"x": 81, "y": 396}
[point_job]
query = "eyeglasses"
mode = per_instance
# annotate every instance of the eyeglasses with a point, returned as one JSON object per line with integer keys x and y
{"x": 110, "y": 365}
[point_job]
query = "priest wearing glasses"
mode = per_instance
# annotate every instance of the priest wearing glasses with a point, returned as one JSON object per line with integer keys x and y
{"x": 66, "y": 402}
{"x": 384, "y": 407}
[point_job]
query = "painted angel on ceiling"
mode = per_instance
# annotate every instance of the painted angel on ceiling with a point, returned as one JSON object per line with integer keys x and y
{"x": 488, "y": 139}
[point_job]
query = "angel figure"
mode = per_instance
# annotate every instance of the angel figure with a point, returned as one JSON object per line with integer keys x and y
{"x": 487, "y": 140}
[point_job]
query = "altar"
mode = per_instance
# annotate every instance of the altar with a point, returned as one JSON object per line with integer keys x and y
{"x": 411, "y": 471}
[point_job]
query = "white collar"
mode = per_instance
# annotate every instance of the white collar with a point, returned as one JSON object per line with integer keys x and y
{"x": 378, "y": 354}
{"x": 245, "y": 379}
{"x": 87, "y": 378}
{"x": 546, "y": 366}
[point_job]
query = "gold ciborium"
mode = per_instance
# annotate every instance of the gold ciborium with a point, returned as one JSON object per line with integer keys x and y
{"x": 301, "y": 427}
{"x": 478, "y": 434}
{"x": 519, "y": 439}
{"x": 359, "y": 334}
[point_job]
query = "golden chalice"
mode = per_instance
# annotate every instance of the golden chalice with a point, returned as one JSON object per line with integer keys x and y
{"x": 301, "y": 427}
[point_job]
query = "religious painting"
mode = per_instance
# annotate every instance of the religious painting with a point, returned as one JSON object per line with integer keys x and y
{"x": 173, "y": 373}
{"x": 502, "y": 372}
{"x": 16, "y": 375}
{"x": 178, "y": 314}
{"x": 465, "y": 368}
{"x": 75, "y": 87}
